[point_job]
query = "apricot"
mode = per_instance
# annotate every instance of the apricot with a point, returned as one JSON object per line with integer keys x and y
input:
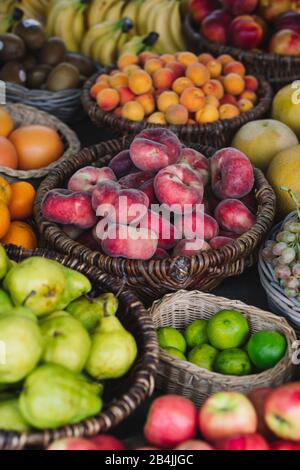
{"x": 146, "y": 55}
{"x": 97, "y": 87}
{"x": 228, "y": 111}
{"x": 131, "y": 68}
{"x": 234, "y": 67}
{"x": 108, "y": 99}
{"x": 181, "y": 84}
{"x": 139, "y": 82}
{"x": 207, "y": 115}
{"x": 198, "y": 73}
{"x": 152, "y": 65}
{"x": 178, "y": 69}
{"x": 187, "y": 58}
{"x": 251, "y": 83}
{"x": 133, "y": 111}
{"x": 167, "y": 99}
{"x": 244, "y": 105}
{"x": 191, "y": 122}
{"x": 148, "y": 103}
{"x": 215, "y": 68}
{"x": 167, "y": 58}
{"x": 229, "y": 99}
{"x": 163, "y": 78}
{"x": 127, "y": 59}
{"x": 157, "y": 118}
{"x": 249, "y": 95}
{"x": 205, "y": 58}
{"x": 118, "y": 79}
{"x": 103, "y": 78}
{"x": 177, "y": 114}
{"x": 193, "y": 99}
{"x": 225, "y": 59}
{"x": 214, "y": 88}
{"x": 125, "y": 94}
{"x": 234, "y": 84}
{"x": 118, "y": 111}
{"x": 212, "y": 100}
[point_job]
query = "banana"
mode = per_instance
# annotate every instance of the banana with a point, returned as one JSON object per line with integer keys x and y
{"x": 64, "y": 28}
{"x": 6, "y": 6}
{"x": 157, "y": 9}
{"x": 53, "y": 14}
{"x": 79, "y": 26}
{"x": 145, "y": 9}
{"x": 162, "y": 21}
{"x": 94, "y": 33}
{"x": 103, "y": 50}
{"x": 115, "y": 11}
{"x": 139, "y": 44}
{"x": 132, "y": 11}
{"x": 4, "y": 23}
{"x": 98, "y": 11}
{"x": 176, "y": 26}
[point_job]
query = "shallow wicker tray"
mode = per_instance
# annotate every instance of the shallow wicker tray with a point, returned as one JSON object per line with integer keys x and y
{"x": 25, "y": 115}
{"x": 152, "y": 279}
{"x": 278, "y": 302}
{"x": 184, "y": 378}
{"x": 278, "y": 69}
{"x": 131, "y": 391}
{"x": 218, "y": 134}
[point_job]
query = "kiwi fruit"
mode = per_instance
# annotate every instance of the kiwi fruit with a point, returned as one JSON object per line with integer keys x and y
{"x": 29, "y": 62}
{"x": 53, "y": 52}
{"x": 13, "y": 72}
{"x": 63, "y": 77}
{"x": 32, "y": 33}
{"x": 12, "y": 47}
{"x": 37, "y": 76}
{"x": 85, "y": 65}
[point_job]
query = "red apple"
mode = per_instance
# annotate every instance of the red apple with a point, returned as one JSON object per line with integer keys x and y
{"x": 73, "y": 443}
{"x": 285, "y": 445}
{"x": 215, "y": 26}
{"x": 240, "y": 7}
{"x": 107, "y": 442}
{"x": 285, "y": 42}
{"x": 246, "y": 33}
{"x": 243, "y": 442}
{"x": 258, "y": 398}
{"x": 201, "y": 8}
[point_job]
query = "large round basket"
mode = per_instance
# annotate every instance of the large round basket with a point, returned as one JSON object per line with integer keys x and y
{"x": 129, "y": 392}
{"x": 278, "y": 302}
{"x": 277, "y": 69}
{"x": 218, "y": 134}
{"x": 25, "y": 115}
{"x": 152, "y": 279}
{"x": 184, "y": 378}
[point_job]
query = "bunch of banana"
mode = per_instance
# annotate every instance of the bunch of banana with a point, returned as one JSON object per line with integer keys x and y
{"x": 138, "y": 44}
{"x": 102, "y": 41}
{"x": 35, "y": 9}
{"x": 9, "y": 18}
{"x": 105, "y": 10}
{"x": 66, "y": 19}
{"x": 6, "y": 6}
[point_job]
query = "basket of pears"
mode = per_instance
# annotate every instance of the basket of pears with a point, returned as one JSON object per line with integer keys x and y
{"x": 69, "y": 338}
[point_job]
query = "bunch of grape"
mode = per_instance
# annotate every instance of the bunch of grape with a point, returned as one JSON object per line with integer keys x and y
{"x": 284, "y": 255}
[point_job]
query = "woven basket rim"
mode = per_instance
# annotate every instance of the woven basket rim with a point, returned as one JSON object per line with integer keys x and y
{"x": 210, "y": 375}
{"x": 44, "y": 94}
{"x": 73, "y": 143}
{"x": 143, "y": 372}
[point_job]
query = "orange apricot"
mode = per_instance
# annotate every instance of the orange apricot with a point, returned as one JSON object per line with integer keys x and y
{"x": 234, "y": 67}
{"x": 127, "y": 59}
{"x": 103, "y": 78}
{"x": 152, "y": 65}
{"x": 251, "y": 83}
{"x": 108, "y": 99}
{"x": 198, "y": 73}
{"x": 213, "y": 88}
{"x": 207, "y": 115}
{"x": 167, "y": 99}
{"x": 234, "y": 84}
{"x": 118, "y": 79}
{"x": 118, "y": 111}
{"x": 244, "y": 105}
{"x": 146, "y": 55}
{"x": 163, "y": 78}
{"x": 249, "y": 95}
{"x": 131, "y": 68}
{"x": 193, "y": 99}
{"x": 167, "y": 58}
{"x": 229, "y": 99}
{"x": 125, "y": 94}
{"x": 205, "y": 58}
{"x": 225, "y": 58}
{"x": 139, "y": 82}
{"x": 181, "y": 84}
{"x": 212, "y": 100}
{"x": 157, "y": 118}
{"x": 187, "y": 58}
{"x": 133, "y": 111}
{"x": 177, "y": 114}
{"x": 215, "y": 68}
{"x": 148, "y": 103}
{"x": 97, "y": 87}
{"x": 228, "y": 111}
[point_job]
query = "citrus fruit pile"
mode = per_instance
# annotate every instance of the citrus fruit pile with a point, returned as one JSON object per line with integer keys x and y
{"x": 176, "y": 89}
{"x": 223, "y": 344}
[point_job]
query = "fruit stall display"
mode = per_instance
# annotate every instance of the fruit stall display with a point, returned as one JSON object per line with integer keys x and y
{"x": 263, "y": 34}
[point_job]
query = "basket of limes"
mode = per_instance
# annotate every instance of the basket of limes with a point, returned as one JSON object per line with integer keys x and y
{"x": 209, "y": 344}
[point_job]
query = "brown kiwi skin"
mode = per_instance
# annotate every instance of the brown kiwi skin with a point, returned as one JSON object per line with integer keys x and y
{"x": 13, "y": 72}
{"x": 32, "y": 33}
{"x": 53, "y": 52}
{"x": 12, "y": 47}
{"x": 85, "y": 65}
{"x": 37, "y": 76}
{"x": 63, "y": 77}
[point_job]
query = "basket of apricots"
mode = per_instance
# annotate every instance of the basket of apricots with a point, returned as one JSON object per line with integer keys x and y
{"x": 32, "y": 143}
{"x": 16, "y": 206}
{"x": 197, "y": 97}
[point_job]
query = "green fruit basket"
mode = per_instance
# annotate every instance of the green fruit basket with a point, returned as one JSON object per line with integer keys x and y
{"x": 124, "y": 395}
{"x": 184, "y": 378}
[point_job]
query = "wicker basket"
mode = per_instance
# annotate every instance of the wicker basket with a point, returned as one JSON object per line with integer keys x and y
{"x": 278, "y": 302}
{"x": 152, "y": 279}
{"x": 25, "y": 115}
{"x": 131, "y": 391}
{"x": 184, "y": 378}
{"x": 218, "y": 134}
{"x": 277, "y": 69}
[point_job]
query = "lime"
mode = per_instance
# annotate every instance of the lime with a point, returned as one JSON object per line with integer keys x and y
{"x": 176, "y": 353}
{"x": 233, "y": 362}
{"x": 266, "y": 348}
{"x": 195, "y": 333}
{"x": 169, "y": 337}
{"x": 203, "y": 356}
{"x": 227, "y": 329}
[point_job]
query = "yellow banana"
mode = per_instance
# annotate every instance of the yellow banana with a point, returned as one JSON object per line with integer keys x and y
{"x": 104, "y": 50}
{"x": 157, "y": 10}
{"x": 144, "y": 12}
{"x": 64, "y": 27}
{"x": 115, "y": 12}
{"x": 79, "y": 26}
{"x": 94, "y": 33}
{"x": 162, "y": 18}
{"x": 6, "y": 6}
{"x": 175, "y": 25}
{"x": 53, "y": 14}
{"x": 98, "y": 11}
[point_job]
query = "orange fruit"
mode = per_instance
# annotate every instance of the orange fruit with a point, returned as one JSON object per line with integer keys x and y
{"x": 22, "y": 198}
{"x": 4, "y": 218}
{"x": 20, "y": 234}
{"x": 5, "y": 190}
{"x": 8, "y": 154}
{"x": 6, "y": 123}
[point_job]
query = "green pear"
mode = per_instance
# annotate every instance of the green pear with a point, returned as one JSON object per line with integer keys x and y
{"x": 67, "y": 343}
{"x": 21, "y": 346}
{"x": 76, "y": 285}
{"x": 54, "y": 396}
{"x": 113, "y": 350}
{"x": 36, "y": 283}
{"x": 90, "y": 311}
{"x": 5, "y": 302}
{"x": 11, "y": 418}
{"x": 4, "y": 262}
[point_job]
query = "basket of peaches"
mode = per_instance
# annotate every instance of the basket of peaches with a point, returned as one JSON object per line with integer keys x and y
{"x": 198, "y": 97}
{"x": 160, "y": 215}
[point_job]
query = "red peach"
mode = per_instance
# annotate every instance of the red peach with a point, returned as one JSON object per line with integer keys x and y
{"x": 289, "y": 20}
{"x": 285, "y": 445}
{"x": 108, "y": 99}
{"x": 148, "y": 189}
{"x": 197, "y": 161}
{"x": 87, "y": 178}
{"x": 107, "y": 442}
{"x": 177, "y": 68}
{"x": 251, "y": 83}
{"x": 166, "y": 232}
{"x": 105, "y": 193}
{"x": 199, "y": 225}
{"x": 121, "y": 164}
{"x": 245, "y": 32}
{"x": 126, "y": 94}
{"x": 73, "y": 443}
{"x": 285, "y": 42}
{"x": 234, "y": 216}
{"x": 219, "y": 242}
{"x": 163, "y": 78}
{"x": 243, "y": 442}
{"x": 215, "y": 26}
{"x": 190, "y": 248}
{"x": 135, "y": 180}
{"x": 194, "y": 444}
{"x": 258, "y": 398}
{"x": 129, "y": 206}
{"x": 161, "y": 254}
{"x": 240, "y": 7}
{"x": 201, "y": 8}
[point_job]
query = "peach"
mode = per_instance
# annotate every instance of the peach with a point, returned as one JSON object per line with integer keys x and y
{"x": 87, "y": 178}
{"x": 245, "y": 105}
{"x": 130, "y": 205}
{"x": 166, "y": 232}
{"x": 147, "y": 102}
{"x": 232, "y": 174}
{"x": 119, "y": 79}
{"x": 135, "y": 180}
{"x": 190, "y": 247}
{"x": 234, "y": 216}
{"x": 228, "y": 111}
{"x": 103, "y": 77}
{"x": 234, "y": 84}
{"x": 198, "y": 73}
{"x": 229, "y": 99}
{"x": 129, "y": 69}
{"x": 251, "y": 83}
{"x": 108, "y": 99}
{"x": 146, "y": 55}
{"x": 157, "y": 118}
{"x": 105, "y": 193}
{"x": 167, "y": 58}
{"x": 285, "y": 42}
{"x": 219, "y": 242}
{"x": 177, "y": 114}
{"x": 129, "y": 242}
{"x": 240, "y": 7}
{"x": 249, "y": 95}
{"x": 107, "y": 442}
{"x": 180, "y": 84}
{"x": 214, "y": 68}
{"x": 199, "y": 225}
{"x": 72, "y": 444}
{"x": 127, "y": 59}
{"x": 231, "y": 235}
{"x": 197, "y": 161}
{"x": 118, "y": 111}
{"x": 213, "y": 101}
{"x": 133, "y": 111}
{"x": 178, "y": 185}
{"x": 193, "y": 99}
{"x": 148, "y": 189}
{"x": 97, "y": 87}
{"x": 160, "y": 254}
{"x": 125, "y": 94}
{"x": 234, "y": 67}
{"x": 177, "y": 68}
{"x": 152, "y": 65}
{"x": 187, "y": 58}
{"x": 121, "y": 164}
{"x": 139, "y": 82}
{"x": 224, "y": 59}
{"x": 191, "y": 121}
{"x": 207, "y": 115}
{"x": 153, "y": 149}
{"x": 163, "y": 78}
{"x": 215, "y": 26}
{"x": 245, "y": 32}
{"x": 166, "y": 99}
{"x": 213, "y": 88}
{"x": 205, "y": 58}
{"x": 69, "y": 208}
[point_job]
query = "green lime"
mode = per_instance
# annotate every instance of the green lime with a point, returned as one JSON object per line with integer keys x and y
{"x": 227, "y": 329}
{"x": 176, "y": 353}
{"x": 233, "y": 362}
{"x": 169, "y": 337}
{"x": 266, "y": 348}
{"x": 203, "y": 356}
{"x": 195, "y": 333}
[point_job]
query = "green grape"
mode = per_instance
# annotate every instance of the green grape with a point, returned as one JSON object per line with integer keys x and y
{"x": 288, "y": 255}
{"x": 291, "y": 293}
{"x": 296, "y": 269}
{"x": 282, "y": 271}
{"x": 278, "y": 249}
